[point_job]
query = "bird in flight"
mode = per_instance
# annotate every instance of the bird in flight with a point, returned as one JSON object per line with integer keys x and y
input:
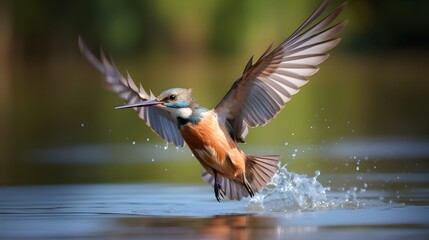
{"x": 256, "y": 97}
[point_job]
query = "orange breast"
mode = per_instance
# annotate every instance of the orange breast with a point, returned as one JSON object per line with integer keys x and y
{"x": 211, "y": 144}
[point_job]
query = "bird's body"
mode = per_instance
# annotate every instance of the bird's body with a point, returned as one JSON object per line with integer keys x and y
{"x": 228, "y": 169}
{"x": 253, "y": 100}
{"x": 211, "y": 144}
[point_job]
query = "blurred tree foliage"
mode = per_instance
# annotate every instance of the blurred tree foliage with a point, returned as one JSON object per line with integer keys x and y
{"x": 135, "y": 26}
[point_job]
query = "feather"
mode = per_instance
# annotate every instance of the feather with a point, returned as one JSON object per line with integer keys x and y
{"x": 265, "y": 87}
{"x": 260, "y": 170}
{"x": 159, "y": 120}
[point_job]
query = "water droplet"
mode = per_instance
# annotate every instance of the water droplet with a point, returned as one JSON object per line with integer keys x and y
{"x": 293, "y": 155}
{"x": 134, "y": 142}
{"x": 365, "y": 185}
{"x": 317, "y": 173}
{"x": 153, "y": 160}
{"x": 311, "y": 127}
{"x": 293, "y": 134}
{"x": 82, "y": 125}
{"x": 357, "y": 168}
{"x": 165, "y": 169}
{"x": 296, "y": 150}
{"x": 286, "y": 143}
{"x": 147, "y": 139}
{"x": 166, "y": 146}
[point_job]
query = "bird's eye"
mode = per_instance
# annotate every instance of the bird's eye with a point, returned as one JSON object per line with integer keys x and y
{"x": 172, "y": 97}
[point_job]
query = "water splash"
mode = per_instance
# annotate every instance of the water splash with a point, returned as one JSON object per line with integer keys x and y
{"x": 290, "y": 191}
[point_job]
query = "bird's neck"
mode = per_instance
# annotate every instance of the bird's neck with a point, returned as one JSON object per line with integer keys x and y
{"x": 194, "y": 117}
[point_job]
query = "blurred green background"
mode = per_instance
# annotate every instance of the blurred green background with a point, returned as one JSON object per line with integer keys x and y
{"x": 58, "y": 123}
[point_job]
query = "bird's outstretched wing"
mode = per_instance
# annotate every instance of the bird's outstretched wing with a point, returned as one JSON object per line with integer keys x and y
{"x": 159, "y": 120}
{"x": 264, "y": 88}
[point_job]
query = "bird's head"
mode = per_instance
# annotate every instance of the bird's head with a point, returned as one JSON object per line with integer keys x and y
{"x": 176, "y": 98}
{"x": 177, "y": 101}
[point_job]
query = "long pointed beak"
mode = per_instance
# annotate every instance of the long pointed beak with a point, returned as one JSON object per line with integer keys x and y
{"x": 141, "y": 104}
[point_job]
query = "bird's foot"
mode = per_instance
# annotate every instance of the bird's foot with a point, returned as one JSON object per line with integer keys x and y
{"x": 248, "y": 187}
{"x": 219, "y": 192}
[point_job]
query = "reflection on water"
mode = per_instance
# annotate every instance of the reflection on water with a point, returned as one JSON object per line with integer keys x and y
{"x": 217, "y": 227}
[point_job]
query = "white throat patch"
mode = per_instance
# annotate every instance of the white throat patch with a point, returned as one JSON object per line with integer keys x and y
{"x": 180, "y": 112}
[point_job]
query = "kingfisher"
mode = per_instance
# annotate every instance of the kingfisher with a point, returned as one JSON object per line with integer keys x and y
{"x": 256, "y": 97}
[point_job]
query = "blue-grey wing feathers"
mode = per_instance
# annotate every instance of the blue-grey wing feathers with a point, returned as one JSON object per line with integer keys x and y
{"x": 265, "y": 87}
{"x": 159, "y": 120}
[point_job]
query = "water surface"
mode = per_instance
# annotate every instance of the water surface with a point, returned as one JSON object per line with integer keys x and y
{"x": 298, "y": 207}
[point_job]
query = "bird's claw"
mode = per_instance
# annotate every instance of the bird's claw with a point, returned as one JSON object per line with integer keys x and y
{"x": 248, "y": 187}
{"x": 219, "y": 192}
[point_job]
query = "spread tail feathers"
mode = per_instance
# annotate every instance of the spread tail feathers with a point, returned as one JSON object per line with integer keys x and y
{"x": 259, "y": 171}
